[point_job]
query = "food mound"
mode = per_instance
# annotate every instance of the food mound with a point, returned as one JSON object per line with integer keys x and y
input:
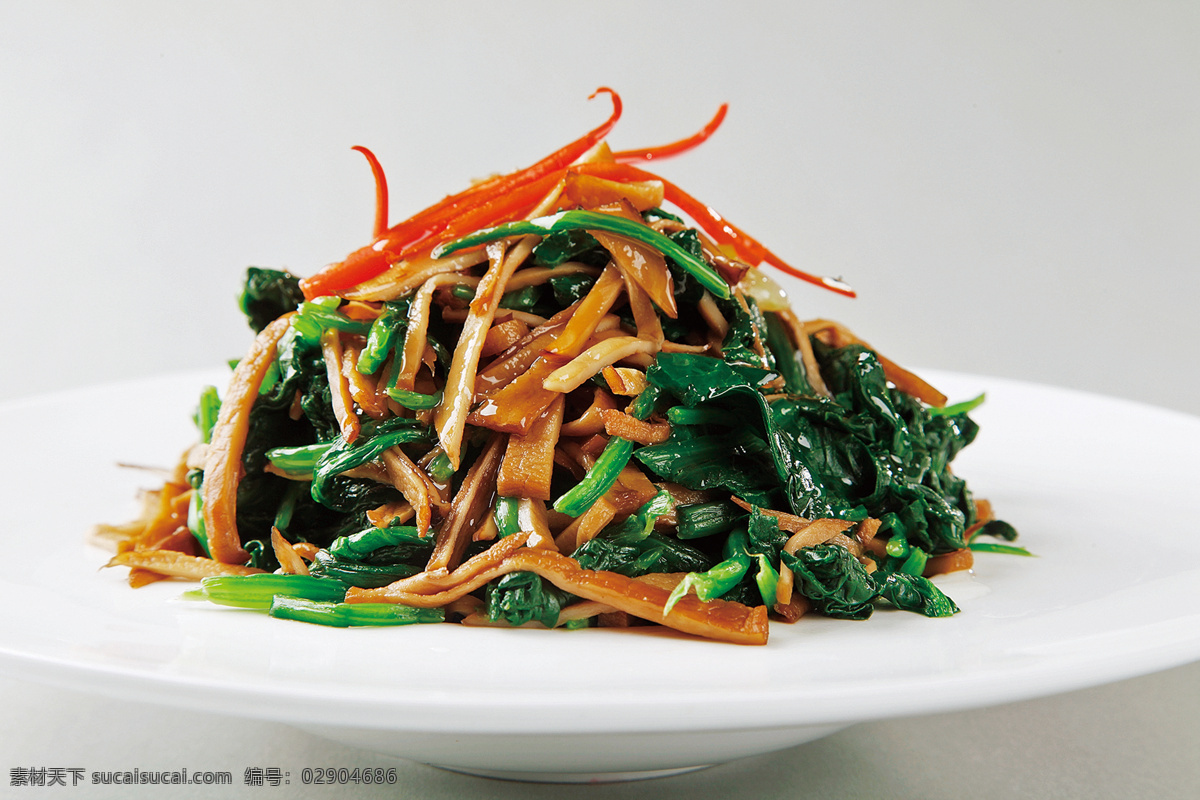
{"x": 549, "y": 401}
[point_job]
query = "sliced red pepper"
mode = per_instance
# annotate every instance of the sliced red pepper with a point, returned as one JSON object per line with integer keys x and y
{"x": 381, "y": 190}
{"x": 481, "y": 212}
{"x": 374, "y": 259}
{"x": 368, "y": 262}
{"x": 554, "y": 162}
{"x": 501, "y": 208}
{"x": 721, "y": 229}
{"x": 675, "y": 148}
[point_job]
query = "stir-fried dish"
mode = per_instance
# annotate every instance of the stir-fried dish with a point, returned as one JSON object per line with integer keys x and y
{"x": 565, "y": 396}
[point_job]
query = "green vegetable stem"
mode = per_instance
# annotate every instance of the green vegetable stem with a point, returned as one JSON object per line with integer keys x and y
{"x": 359, "y": 545}
{"x": 384, "y": 332}
{"x": 343, "y": 615}
{"x": 594, "y": 220}
{"x": 257, "y": 591}
{"x": 720, "y": 579}
{"x": 698, "y": 520}
{"x": 603, "y": 474}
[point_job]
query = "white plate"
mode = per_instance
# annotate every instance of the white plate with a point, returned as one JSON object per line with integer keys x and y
{"x": 1100, "y": 489}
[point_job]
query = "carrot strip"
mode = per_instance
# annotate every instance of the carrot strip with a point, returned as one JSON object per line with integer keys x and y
{"x": 503, "y": 184}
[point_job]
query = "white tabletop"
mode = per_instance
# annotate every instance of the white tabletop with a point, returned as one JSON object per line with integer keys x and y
{"x": 1013, "y": 188}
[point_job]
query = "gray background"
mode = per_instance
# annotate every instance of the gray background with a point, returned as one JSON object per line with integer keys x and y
{"x": 1013, "y": 188}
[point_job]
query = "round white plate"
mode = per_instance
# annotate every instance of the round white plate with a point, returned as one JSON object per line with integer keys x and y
{"x": 1100, "y": 489}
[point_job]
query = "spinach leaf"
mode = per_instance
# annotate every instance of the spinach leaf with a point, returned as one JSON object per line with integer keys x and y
{"x": 654, "y": 553}
{"x": 697, "y": 520}
{"x": 869, "y": 451}
{"x": 738, "y": 461}
{"x": 744, "y": 344}
{"x": 834, "y": 580}
{"x": 559, "y": 247}
{"x": 632, "y": 548}
{"x": 267, "y": 294}
{"x": 787, "y": 360}
{"x": 652, "y": 214}
{"x": 999, "y": 529}
{"x": 839, "y": 586}
{"x": 371, "y": 442}
{"x": 915, "y": 593}
{"x": 522, "y": 597}
{"x": 373, "y": 556}
{"x": 765, "y": 537}
{"x": 523, "y": 299}
{"x": 360, "y": 573}
{"x": 395, "y": 544}
{"x": 387, "y": 328}
{"x": 570, "y": 288}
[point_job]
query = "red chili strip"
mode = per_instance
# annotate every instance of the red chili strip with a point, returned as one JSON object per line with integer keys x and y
{"x": 716, "y": 226}
{"x": 381, "y": 190}
{"x": 675, "y": 148}
{"x": 368, "y": 262}
{"x": 491, "y": 187}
